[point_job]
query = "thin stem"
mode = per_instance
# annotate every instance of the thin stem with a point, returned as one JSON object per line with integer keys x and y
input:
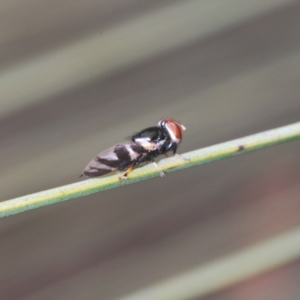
{"x": 226, "y": 271}
{"x": 197, "y": 157}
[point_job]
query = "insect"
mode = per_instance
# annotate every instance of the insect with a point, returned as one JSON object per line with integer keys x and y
{"x": 144, "y": 147}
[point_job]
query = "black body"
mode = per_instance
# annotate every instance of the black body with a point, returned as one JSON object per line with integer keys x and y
{"x": 159, "y": 136}
{"x": 144, "y": 147}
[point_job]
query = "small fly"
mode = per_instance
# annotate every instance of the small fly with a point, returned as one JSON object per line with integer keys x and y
{"x": 144, "y": 147}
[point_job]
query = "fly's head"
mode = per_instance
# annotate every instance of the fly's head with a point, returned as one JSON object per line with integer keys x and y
{"x": 173, "y": 129}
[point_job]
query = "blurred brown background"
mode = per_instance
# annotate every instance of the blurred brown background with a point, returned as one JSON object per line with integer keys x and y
{"x": 77, "y": 77}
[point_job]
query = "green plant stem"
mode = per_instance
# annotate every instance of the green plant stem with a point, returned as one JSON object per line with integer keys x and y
{"x": 197, "y": 157}
{"x": 231, "y": 269}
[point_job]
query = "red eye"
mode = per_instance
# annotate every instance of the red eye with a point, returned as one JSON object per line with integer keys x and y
{"x": 174, "y": 128}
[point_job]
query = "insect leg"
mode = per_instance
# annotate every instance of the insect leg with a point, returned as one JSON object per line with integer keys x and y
{"x": 161, "y": 173}
{"x": 150, "y": 158}
{"x": 181, "y": 157}
{"x": 125, "y": 174}
{"x": 134, "y": 164}
{"x": 174, "y": 148}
